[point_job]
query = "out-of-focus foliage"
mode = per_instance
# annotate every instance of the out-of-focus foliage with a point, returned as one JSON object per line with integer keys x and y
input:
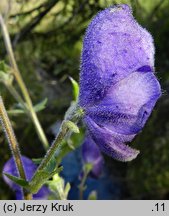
{"x": 47, "y": 39}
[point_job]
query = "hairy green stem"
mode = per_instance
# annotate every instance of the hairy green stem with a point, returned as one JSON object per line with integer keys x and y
{"x": 22, "y": 85}
{"x": 13, "y": 144}
{"x": 59, "y": 138}
{"x": 74, "y": 116}
{"x": 17, "y": 97}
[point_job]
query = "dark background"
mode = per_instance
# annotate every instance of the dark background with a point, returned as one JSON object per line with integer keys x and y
{"x": 47, "y": 39}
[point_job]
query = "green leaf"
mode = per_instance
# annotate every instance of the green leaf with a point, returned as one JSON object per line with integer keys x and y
{"x": 57, "y": 186}
{"x": 18, "y": 181}
{"x": 38, "y": 107}
{"x": 75, "y": 88}
{"x": 4, "y": 67}
{"x": 3, "y": 75}
{"x": 15, "y": 111}
{"x": 72, "y": 126}
{"x": 6, "y": 78}
{"x": 41, "y": 106}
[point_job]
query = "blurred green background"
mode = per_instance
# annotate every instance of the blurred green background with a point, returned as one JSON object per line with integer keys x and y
{"x": 47, "y": 39}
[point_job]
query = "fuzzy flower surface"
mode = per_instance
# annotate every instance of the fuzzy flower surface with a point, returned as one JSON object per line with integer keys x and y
{"x": 91, "y": 154}
{"x": 30, "y": 169}
{"x": 118, "y": 87}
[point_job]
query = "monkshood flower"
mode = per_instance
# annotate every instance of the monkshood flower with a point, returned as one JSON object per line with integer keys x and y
{"x": 30, "y": 169}
{"x": 118, "y": 88}
{"x": 91, "y": 154}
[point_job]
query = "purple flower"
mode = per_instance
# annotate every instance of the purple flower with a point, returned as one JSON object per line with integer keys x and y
{"x": 30, "y": 168}
{"x": 118, "y": 88}
{"x": 91, "y": 154}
